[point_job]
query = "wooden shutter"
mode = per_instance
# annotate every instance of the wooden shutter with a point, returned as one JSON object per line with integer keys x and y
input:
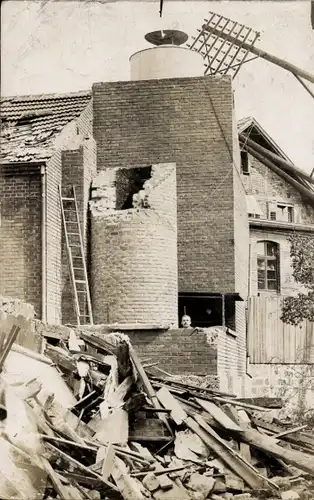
{"x": 272, "y": 210}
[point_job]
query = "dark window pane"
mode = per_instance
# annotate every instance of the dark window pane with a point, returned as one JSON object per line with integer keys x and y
{"x": 271, "y": 249}
{"x": 290, "y": 214}
{"x": 272, "y": 285}
{"x": 271, "y": 275}
{"x": 261, "y": 278}
{"x": 261, "y": 263}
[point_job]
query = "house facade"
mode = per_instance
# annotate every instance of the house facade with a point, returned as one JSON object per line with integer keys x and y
{"x": 280, "y": 203}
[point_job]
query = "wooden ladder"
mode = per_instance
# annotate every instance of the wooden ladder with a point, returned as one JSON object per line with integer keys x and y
{"x": 76, "y": 257}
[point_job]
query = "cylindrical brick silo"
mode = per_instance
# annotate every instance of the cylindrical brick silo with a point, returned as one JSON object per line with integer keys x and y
{"x": 134, "y": 250}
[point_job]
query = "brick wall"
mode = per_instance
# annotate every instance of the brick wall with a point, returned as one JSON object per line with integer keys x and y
{"x": 187, "y": 121}
{"x": 78, "y": 169}
{"x": 134, "y": 253}
{"x": 53, "y": 238}
{"x": 178, "y": 351}
{"x": 72, "y": 173}
{"x": 265, "y": 185}
{"x": 20, "y": 235}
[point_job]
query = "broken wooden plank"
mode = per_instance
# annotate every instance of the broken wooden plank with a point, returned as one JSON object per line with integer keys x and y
{"x": 121, "y": 452}
{"x": 80, "y": 466}
{"x": 170, "y": 380}
{"x": 68, "y": 442}
{"x": 81, "y": 490}
{"x": 218, "y": 415}
{"x": 168, "y": 401}
{"x": 233, "y": 460}
{"x": 148, "y": 387}
{"x": 128, "y": 486}
{"x": 107, "y": 454}
{"x": 66, "y": 361}
{"x": 164, "y": 471}
{"x": 301, "y": 439}
{"x": 290, "y": 431}
{"x": 266, "y": 402}
{"x": 9, "y": 343}
{"x": 267, "y": 444}
{"x": 164, "y": 482}
{"x": 98, "y": 342}
{"x": 55, "y": 480}
{"x": 238, "y": 403}
{"x": 91, "y": 482}
{"x": 150, "y": 481}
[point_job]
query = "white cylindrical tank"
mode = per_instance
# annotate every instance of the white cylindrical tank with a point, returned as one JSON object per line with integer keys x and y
{"x": 166, "y": 61}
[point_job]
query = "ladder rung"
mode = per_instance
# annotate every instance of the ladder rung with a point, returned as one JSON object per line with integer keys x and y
{"x": 75, "y": 246}
{"x": 67, "y": 199}
{"x": 78, "y": 268}
{"x": 74, "y": 234}
{"x": 81, "y": 291}
{"x": 80, "y": 281}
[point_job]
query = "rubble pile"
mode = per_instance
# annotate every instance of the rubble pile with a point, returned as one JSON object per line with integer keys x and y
{"x": 88, "y": 420}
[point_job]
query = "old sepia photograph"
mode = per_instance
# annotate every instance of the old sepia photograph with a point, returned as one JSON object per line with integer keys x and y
{"x": 157, "y": 250}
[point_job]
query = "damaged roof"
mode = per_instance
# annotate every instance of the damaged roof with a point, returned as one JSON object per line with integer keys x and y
{"x": 256, "y": 132}
{"x": 253, "y": 130}
{"x": 30, "y": 124}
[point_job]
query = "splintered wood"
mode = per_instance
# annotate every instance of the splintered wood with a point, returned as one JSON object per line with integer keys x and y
{"x": 80, "y": 434}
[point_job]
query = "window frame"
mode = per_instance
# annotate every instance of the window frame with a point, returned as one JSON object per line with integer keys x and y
{"x": 267, "y": 260}
{"x": 290, "y": 211}
{"x": 247, "y": 169}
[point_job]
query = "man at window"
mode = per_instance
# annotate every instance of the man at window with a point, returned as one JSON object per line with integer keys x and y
{"x": 268, "y": 266}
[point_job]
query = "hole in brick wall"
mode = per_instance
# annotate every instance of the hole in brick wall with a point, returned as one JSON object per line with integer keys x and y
{"x": 207, "y": 311}
{"x": 130, "y": 181}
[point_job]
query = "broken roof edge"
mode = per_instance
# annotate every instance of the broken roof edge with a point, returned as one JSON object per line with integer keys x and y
{"x": 31, "y": 97}
{"x": 249, "y": 121}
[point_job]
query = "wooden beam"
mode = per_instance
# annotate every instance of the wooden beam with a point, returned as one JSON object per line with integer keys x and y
{"x": 268, "y": 445}
{"x": 80, "y": 466}
{"x": 9, "y": 343}
{"x": 289, "y": 167}
{"x": 262, "y": 53}
{"x": 148, "y": 387}
{"x": 219, "y": 415}
{"x": 55, "y": 480}
{"x": 233, "y": 460}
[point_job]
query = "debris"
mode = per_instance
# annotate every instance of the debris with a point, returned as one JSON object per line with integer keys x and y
{"x": 290, "y": 495}
{"x": 151, "y": 482}
{"x": 219, "y": 415}
{"x": 86, "y": 403}
{"x": 201, "y": 484}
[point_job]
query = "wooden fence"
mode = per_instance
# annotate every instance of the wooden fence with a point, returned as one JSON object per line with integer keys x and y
{"x": 270, "y": 340}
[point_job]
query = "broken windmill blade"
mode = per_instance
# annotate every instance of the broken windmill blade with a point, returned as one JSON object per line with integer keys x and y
{"x": 226, "y": 45}
{"x": 221, "y": 55}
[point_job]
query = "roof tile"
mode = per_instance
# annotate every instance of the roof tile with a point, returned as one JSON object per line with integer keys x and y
{"x": 31, "y": 123}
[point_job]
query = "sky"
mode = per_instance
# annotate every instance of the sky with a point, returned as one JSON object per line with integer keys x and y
{"x": 64, "y": 46}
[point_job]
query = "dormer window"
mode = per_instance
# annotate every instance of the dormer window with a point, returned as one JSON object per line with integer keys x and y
{"x": 282, "y": 212}
{"x": 245, "y": 163}
{"x": 285, "y": 213}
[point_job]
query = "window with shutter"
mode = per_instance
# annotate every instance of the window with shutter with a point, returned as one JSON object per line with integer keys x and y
{"x": 272, "y": 210}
